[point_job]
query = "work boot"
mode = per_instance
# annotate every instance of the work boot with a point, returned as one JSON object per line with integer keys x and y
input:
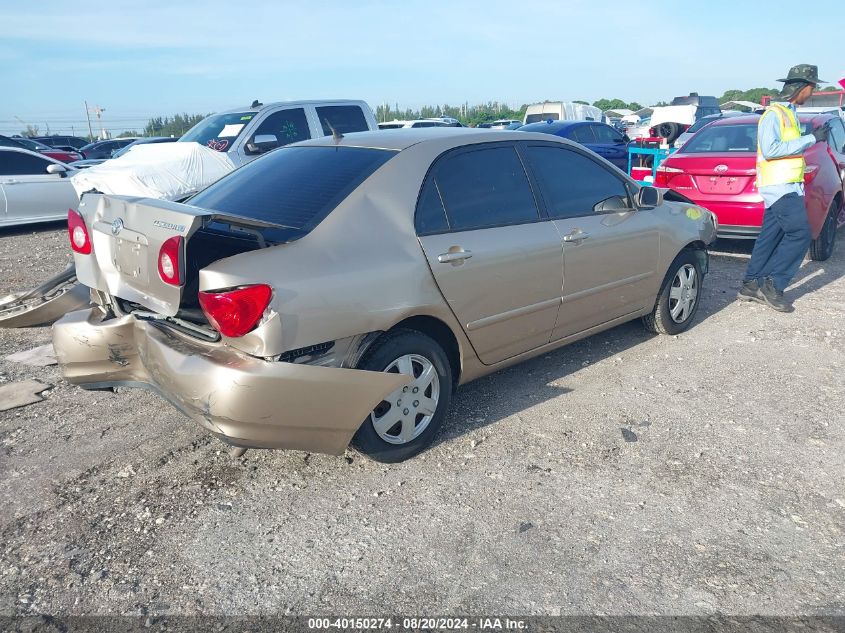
{"x": 750, "y": 291}
{"x": 774, "y": 297}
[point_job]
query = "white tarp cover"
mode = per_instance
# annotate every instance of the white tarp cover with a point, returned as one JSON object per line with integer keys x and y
{"x": 156, "y": 170}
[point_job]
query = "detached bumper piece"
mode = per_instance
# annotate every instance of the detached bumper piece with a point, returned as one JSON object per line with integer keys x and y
{"x": 42, "y": 305}
{"x": 246, "y": 401}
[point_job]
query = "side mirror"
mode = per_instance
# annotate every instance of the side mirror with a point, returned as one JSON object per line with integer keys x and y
{"x": 626, "y": 138}
{"x": 53, "y": 168}
{"x": 648, "y": 198}
{"x": 261, "y": 143}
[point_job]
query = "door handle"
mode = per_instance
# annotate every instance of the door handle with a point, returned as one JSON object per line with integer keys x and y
{"x": 10, "y": 182}
{"x": 454, "y": 257}
{"x": 576, "y": 237}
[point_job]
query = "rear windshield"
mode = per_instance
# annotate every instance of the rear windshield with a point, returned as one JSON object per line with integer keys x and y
{"x": 296, "y": 187}
{"x": 218, "y": 131}
{"x": 727, "y": 138}
{"x": 723, "y": 138}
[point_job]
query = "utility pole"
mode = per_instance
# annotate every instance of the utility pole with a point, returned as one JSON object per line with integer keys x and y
{"x": 88, "y": 114}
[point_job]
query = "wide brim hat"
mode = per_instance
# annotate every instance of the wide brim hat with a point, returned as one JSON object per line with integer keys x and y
{"x": 808, "y": 73}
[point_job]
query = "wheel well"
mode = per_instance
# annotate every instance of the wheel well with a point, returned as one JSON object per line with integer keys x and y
{"x": 440, "y": 332}
{"x": 699, "y": 248}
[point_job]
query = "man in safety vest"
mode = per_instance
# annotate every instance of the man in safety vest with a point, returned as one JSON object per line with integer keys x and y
{"x": 785, "y": 235}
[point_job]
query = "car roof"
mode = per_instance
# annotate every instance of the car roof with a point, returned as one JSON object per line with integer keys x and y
{"x": 404, "y": 138}
{"x": 803, "y": 117}
{"x": 276, "y": 104}
{"x": 555, "y": 125}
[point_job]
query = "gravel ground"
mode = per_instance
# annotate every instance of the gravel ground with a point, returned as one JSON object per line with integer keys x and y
{"x": 626, "y": 474}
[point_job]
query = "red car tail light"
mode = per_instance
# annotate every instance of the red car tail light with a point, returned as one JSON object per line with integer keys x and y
{"x": 170, "y": 261}
{"x": 810, "y": 172}
{"x": 80, "y": 241}
{"x": 233, "y": 313}
{"x": 663, "y": 174}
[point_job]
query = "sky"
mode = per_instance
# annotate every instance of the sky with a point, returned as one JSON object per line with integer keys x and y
{"x": 144, "y": 58}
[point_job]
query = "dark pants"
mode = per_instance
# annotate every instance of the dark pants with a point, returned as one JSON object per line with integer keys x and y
{"x": 782, "y": 242}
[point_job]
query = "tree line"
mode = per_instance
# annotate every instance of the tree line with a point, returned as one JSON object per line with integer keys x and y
{"x": 178, "y": 124}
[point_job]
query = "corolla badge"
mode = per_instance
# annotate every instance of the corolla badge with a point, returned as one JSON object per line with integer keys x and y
{"x": 116, "y": 226}
{"x": 720, "y": 169}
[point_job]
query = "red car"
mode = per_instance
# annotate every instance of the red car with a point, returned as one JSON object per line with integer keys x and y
{"x": 52, "y": 152}
{"x": 716, "y": 169}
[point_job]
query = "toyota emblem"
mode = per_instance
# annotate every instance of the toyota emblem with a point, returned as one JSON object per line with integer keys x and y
{"x": 116, "y": 226}
{"x": 720, "y": 169}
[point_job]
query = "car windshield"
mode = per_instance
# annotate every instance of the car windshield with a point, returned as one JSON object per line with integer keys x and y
{"x": 218, "y": 131}
{"x": 296, "y": 187}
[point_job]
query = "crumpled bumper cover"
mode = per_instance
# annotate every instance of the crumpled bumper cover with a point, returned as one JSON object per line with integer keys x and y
{"x": 246, "y": 401}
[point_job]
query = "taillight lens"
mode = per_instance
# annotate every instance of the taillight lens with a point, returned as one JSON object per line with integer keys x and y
{"x": 233, "y": 313}
{"x": 170, "y": 261}
{"x": 663, "y": 174}
{"x": 810, "y": 172}
{"x": 80, "y": 242}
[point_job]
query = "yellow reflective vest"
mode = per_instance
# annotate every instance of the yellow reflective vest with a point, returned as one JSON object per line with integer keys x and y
{"x": 779, "y": 171}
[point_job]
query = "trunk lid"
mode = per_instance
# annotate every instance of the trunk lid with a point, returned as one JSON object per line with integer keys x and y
{"x": 127, "y": 235}
{"x": 716, "y": 174}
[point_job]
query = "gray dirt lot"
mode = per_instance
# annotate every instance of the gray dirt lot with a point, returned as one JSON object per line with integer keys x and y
{"x": 627, "y": 473}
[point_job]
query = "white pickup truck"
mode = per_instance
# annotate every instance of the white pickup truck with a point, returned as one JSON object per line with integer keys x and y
{"x": 246, "y": 133}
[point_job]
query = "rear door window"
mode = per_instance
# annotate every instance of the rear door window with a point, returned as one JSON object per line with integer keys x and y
{"x": 431, "y": 215}
{"x": 288, "y": 126}
{"x": 343, "y": 119}
{"x": 583, "y": 134}
{"x": 484, "y": 188}
{"x": 572, "y": 184}
{"x": 293, "y": 186}
{"x": 606, "y": 134}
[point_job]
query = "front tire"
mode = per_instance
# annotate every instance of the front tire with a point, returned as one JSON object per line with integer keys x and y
{"x": 821, "y": 248}
{"x": 679, "y": 296}
{"x": 406, "y": 422}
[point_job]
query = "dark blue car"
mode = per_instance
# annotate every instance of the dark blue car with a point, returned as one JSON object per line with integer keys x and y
{"x": 603, "y": 139}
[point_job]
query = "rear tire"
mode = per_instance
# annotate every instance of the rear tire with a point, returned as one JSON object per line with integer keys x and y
{"x": 821, "y": 248}
{"x": 679, "y": 296}
{"x": 406, "y": 422}
{"x": 670, "y": 131}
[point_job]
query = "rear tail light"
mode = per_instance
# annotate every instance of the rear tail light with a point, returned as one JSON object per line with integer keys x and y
{"x": 663, "y": 174}
{"x": 80, "y": 241}
{"x": 233, "y": 313}
{"x": 170, "y": 261}
{"x": 810, "y": 172}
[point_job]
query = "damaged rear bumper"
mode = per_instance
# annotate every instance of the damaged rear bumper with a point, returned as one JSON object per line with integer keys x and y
{"x": 246, "y": 401}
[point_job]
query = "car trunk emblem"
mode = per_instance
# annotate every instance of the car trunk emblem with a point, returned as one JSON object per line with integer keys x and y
{"x": 116, "y": 226}
{"x": 720, "y": 169}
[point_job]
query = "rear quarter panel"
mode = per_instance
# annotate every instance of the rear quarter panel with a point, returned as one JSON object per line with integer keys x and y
{"x": 361, "y": 270}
